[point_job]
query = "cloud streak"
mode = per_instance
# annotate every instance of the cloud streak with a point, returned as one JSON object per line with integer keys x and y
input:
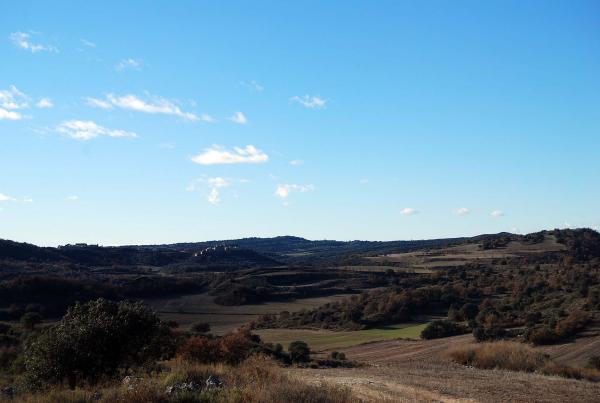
{"x": 155, "y": 105}
{"x": 218, "y": 155}
{"x": 87, "y": 130}
{"x": 23, "y": 40}
{"x": 284, "y": 191}
{"x": 310, "y": 102}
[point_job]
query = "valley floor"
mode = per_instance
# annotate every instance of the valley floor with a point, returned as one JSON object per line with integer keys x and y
{"x": 417, "y": 371}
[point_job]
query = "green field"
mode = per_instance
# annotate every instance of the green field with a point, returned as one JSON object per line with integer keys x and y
{"x": 320, "y": 340}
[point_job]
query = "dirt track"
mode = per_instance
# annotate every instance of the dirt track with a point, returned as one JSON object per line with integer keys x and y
{"x": 416, "y": 371}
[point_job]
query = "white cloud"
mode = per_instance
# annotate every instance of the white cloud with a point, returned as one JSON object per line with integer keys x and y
{"x": 45, "y": 103}
{"x": 4, "y": 197}
{"x": 462, "y": 211}
{"x": 253, "y": 85}
{"x": 98, "y": 103}
{"x": 156, "y": 105}
{"x": 87, "y": 130}
{"x": 296, "y": 162}
{"x": 23, "y": 40}
{"x": 219, "y": 155}
{"x": 12, "y": 99}
{"x": 214, "y": 196}
{"x": 129, "y": 64}
{"x": 27, "y": 200}
{"x": 9, "y": 115}
{"x": 88, "y": 43}
{"x": 497, "y": 213}
{"x": 207, "y": 118}
{"x": 408, "y": 211}
{"x": 283, "y": 191}
{"x": 73, "y": 198}
{"x": 239, "y": 118}
{"x": 310, "y": 102}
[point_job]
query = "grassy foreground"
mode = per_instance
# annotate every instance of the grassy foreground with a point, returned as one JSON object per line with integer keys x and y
{"x": 320, "y": 340}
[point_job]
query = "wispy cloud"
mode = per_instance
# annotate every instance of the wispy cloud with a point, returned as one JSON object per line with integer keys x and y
{"x": 73, "y": 198}
{"x": 87, "y": 43}
{"x": 408, "y": 211}
{"x": 214, "y": 184}
{"x": 462, "y": 211}
{"x": 239, "y": 118}
{"x": 98, "y": 103}
{"x": 9, "y": 115}
{"x": 45, "y": 103}
{"x": 284, "y": 191}
{"x": 207, "y": 118}
{"x": 219, "y": 155}
{"x": 296, "y": 162}
{"x": 497, "y": 213}
{"x": 153, "y": 105}
{"x": 87, "y": 130}
{"x": 23, "y": 40}
{"x": 4, "y": 198}
{"x": 310, "y": 102}
{"x": 128, "y": 64}
{"x": 253, "y": 85}
{"x": 12, "y": 100}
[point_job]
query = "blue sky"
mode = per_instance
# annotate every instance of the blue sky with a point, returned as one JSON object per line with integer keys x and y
{"x": 130, "y": 122}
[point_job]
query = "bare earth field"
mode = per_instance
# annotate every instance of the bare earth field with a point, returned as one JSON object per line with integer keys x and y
{"x": 418, "y": 371}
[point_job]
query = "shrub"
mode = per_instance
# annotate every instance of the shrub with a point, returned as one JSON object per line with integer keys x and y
{"x": 94, "y": 340}
{"x": 441, "y": 328}
{"x": 299, "y": 351}
{"x": 594, "y": 362}
{"x": 336, "y": 355}
{"x": 200, "y": 327}
{"x": 30, "y": 319}
{"x": 236, "y": 347}
{"x": 542, "y": 335}
{"x": 576, "y": 321}
{"x": 499, "y": 355}
{"x": 201, "y": 349}
{"x": 469, "y": 311}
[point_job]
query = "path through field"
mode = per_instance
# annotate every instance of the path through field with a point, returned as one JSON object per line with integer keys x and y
{"x": 417, "y": 371}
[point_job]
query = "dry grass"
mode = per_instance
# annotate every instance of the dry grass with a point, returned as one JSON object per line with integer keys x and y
{"x": 256, "y": 380}
{"x": 516, "y": 357}
{"x": 499, "y": 355}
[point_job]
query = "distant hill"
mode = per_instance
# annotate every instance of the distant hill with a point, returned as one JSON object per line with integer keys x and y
{"x": 296, "y": 250}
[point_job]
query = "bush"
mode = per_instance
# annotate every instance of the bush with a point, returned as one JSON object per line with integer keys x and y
{"x": 442, "y": 328}
{"x": 572, "y": 324}
{"x": 336, "y": 355}
{"x": 201, "y": 349}
{"x": 96, "y": 340}
{"x": 541, "y": 335}
{"x": 236, "y": 347}
{"x": 200, "y": 327}
{"x": 30, "y": 319}
{"x": 469, "y": 311}
{"x": 594, "y": 362}
{"x": 499, "y": 355}
{"x": 299, "y": 351}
